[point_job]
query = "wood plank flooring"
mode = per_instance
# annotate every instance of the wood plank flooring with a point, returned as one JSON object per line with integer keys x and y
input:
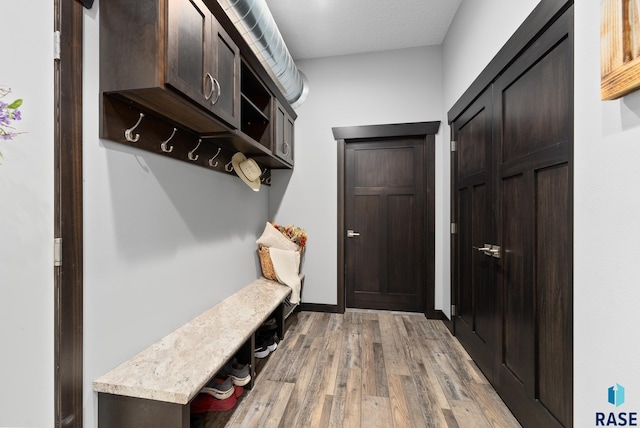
{"x": 367, "y": 369}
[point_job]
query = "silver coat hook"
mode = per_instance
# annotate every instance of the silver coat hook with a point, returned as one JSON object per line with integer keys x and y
{"x": 262, "y": 175}
{"x": 268, "y": 180}
{"x": 214, "y": 156}
{"x": 128, "y": 133}
{"x": 163, "y": 146}
{"x": 228, "y": 167}
{"x": 191, "y": 153}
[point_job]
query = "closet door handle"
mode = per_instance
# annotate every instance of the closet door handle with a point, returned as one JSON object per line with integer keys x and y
{"x": 495, "y": 251}
{"x": 489, "y": 250}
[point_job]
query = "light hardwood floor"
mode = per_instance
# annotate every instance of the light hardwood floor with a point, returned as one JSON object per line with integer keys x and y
{"x": 367, "y": 369}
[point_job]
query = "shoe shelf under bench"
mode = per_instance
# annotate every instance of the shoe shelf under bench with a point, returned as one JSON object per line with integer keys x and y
{"x": 156, "y": 386}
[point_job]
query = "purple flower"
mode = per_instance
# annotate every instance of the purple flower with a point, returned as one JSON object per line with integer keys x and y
{"x": 8, "y": 114}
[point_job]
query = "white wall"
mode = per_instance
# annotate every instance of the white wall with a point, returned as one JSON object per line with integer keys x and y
{"x": 606, "y": 282}
{"x": 477, "y": 33}
{"x": 376, "y": 88}
{"x": 164, "y": 240}
{"x": 26, "y": 219}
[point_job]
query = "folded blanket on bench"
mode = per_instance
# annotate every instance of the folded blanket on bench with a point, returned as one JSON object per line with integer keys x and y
{"x": 286, "y": 265}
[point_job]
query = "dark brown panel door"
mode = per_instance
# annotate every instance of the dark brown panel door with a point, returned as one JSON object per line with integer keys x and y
{"x": 476, "y": 295}
{"x": 384, "y": 209}
{"x": 533, "y": 105}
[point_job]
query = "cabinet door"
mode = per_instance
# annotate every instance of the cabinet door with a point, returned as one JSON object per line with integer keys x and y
{"x": 288, "y": 138}
{"x": 225, "y": 100}
{"x": 283, "y": 134}
{"x": 189, "y": 62}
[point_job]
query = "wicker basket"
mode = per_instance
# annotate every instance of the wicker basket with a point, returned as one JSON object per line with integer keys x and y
{"x": 266, "y": 264}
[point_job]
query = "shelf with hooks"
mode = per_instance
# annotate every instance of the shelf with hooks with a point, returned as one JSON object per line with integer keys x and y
{"x": 152, "y": 91}
{"x": 127, "y": 124}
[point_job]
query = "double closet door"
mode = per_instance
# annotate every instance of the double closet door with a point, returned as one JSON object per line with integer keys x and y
{"x": 512, "y": 271}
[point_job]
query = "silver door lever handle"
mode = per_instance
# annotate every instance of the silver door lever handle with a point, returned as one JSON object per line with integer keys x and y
{"x": 351, "y": 233}
{"x": 489, "y": 250}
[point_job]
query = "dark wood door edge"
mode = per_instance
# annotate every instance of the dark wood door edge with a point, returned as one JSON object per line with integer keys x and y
{"x": 453, "y": 215}
{"x": 350, "y": 134}
{"x": 68, "y": 222}
{"x": 430, "y": 224}
{"x": 342, "y": 147}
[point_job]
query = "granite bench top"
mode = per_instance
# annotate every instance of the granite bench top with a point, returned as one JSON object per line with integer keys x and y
{"x": 175, "y": 368}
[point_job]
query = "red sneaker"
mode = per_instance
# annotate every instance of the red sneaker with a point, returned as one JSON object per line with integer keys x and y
{"x": 207, "y": 403}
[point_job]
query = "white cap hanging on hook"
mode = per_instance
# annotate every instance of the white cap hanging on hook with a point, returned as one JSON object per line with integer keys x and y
{"x": 248, "y": 170}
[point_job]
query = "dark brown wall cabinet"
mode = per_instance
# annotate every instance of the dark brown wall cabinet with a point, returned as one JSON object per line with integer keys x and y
{"x": 175, "y": 62}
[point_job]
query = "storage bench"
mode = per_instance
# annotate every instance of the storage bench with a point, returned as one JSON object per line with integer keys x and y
{"x": 155, "y": 387}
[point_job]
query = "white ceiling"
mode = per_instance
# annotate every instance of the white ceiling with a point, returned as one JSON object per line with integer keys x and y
{"x": 320, "y": 28}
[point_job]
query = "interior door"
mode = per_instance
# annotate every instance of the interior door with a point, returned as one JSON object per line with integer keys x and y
{"x": 384, "y": 218}
{"x": 533, "y": 101}
{"x": 476, "y": 293}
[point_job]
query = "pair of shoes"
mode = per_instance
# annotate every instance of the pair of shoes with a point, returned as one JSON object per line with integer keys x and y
{"x": 266, "y": 343}
{"x": 207, "y": 403}
{"x": 265, "y": 349}
{"x": 240, "y": 374}
{"x": 219, "y": 387}
{"x": 268, "y": 325}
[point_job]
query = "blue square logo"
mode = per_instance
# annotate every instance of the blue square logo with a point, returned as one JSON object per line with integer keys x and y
{"x": 616, "y": 395}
